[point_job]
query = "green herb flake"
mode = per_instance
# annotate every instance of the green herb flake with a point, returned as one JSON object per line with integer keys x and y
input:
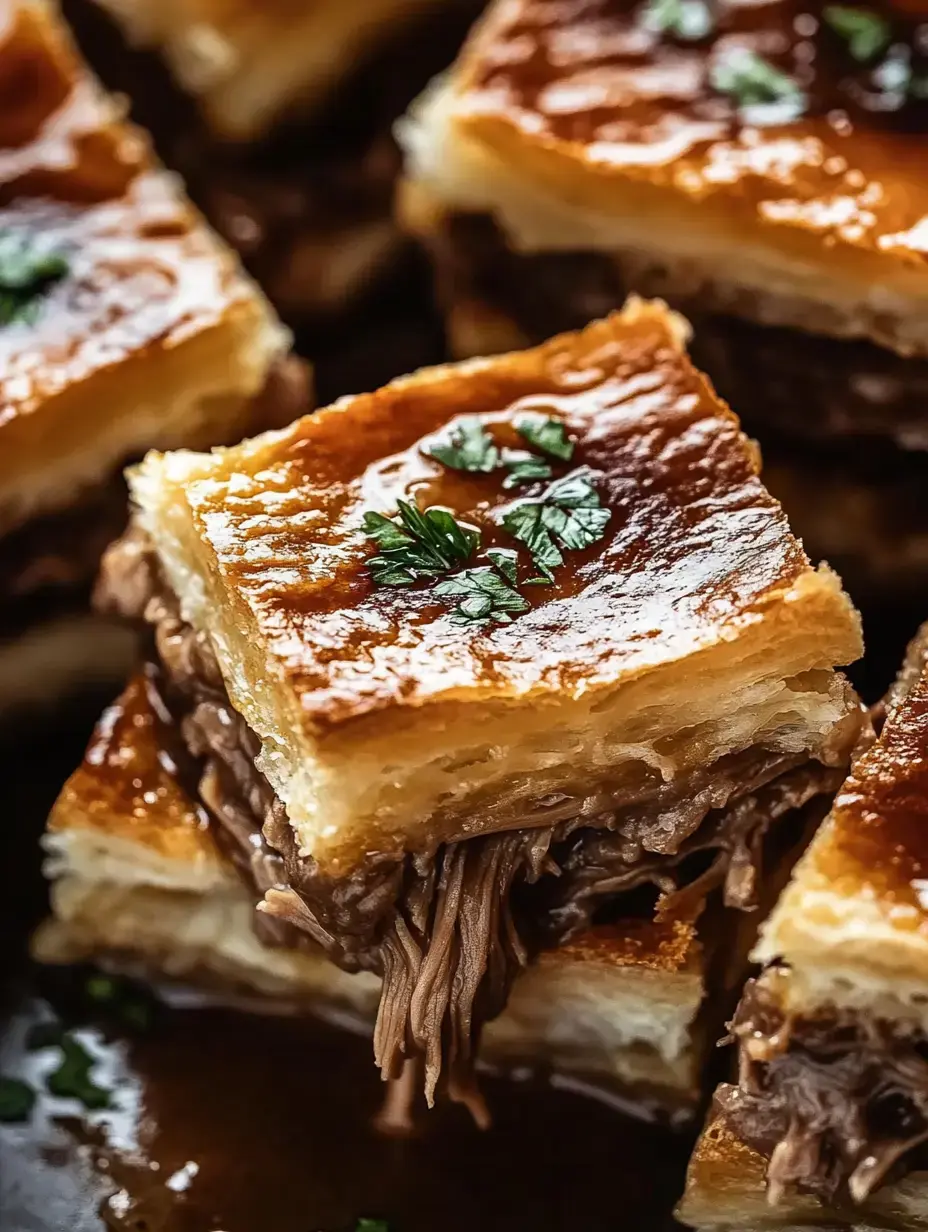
{"x": 548, "y": 435}
{"x": 866, "y": 33}
{"x": 17, "y": 1099}
{"x": 27, "y": 272}
{"x": 506, "y": 561}
{"x": 72, "y": 1080}
{"x": 484, "y": 594}
{"x": 568, "y": 514}
{"x": 470, "y": 448}
{"x": 754, "y": 83}
{"x": 418, "y": 545}
{"x": 689, "y": 20}
{"x": 524, "y": 467}
{"x": 372, "y": 1225}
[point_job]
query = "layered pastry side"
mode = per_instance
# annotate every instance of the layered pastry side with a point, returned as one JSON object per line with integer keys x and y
{"x": 829, "y": 1118}
{"x": 500, "y": 652}
{"x": 303, "y": 189}
{"x": 759, "y": 166}
{"x": 124, "y": 324}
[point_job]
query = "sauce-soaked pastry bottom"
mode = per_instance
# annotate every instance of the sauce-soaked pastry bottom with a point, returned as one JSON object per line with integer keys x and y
{"x": 449, "y": 928}
{"x": 837, "y": 1101}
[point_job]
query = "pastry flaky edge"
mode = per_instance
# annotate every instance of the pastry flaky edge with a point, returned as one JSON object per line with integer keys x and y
{"x": 705, "y": 224}
{"x": 852, "y": 925}
{"x": 155, "y": 335}
{"x": 315, "y": 726}
{"x": 251, "y": 65}
{"x": 139, "y": 884}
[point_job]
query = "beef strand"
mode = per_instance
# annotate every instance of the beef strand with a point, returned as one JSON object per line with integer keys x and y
{"x": 837, "y": 1101}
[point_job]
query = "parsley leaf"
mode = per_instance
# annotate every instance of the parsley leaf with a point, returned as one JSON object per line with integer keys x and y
{"x": 689, "y": 20}
{"x": 568, "y": 514}
{"x": 756, "y": 85}
{"x": 72, "y": 1078}
{"x": 485, "y": 596}
{"x": 26, "y": 273}
{"x": 372, "y": 1225}
{"x": 470, "y": 448}
{"x": 17, "y": 1099}
{"x": 548, "y": 435}
{"x": 418, "y": 545}
{"x": 524, "y": 467}
{"x": 506, "y": 560}
{"x": 867, "y": 33}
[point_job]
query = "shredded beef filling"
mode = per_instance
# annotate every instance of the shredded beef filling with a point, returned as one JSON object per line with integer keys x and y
{"x": 837, "y": 1102}
{"x": 449, "y": 929}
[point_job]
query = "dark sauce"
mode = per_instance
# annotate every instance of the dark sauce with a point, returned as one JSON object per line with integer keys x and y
{"x": 241, "y": 1123}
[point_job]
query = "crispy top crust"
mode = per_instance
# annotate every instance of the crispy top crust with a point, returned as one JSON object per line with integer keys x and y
{"x": 610, "y": 116}
{"x": 144, "y": 274}
{"x": 695, "y": 552}
{"x": 127, "y": 787}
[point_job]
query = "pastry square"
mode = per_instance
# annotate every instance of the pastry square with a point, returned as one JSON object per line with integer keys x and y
{"x": 484, "y": 651}
{"x": 832, "y": 1089}
{"x": 752, "y": 171}
{"x": 124, "y": 324}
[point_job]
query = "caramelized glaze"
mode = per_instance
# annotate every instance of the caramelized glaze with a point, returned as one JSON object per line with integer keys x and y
{"x": 128, "y": 784}
{"x": 878, "y": 846}
{"x": 588, "y": 78}
{"x": 695, "y": 547}
{"x": 144, "y": 274}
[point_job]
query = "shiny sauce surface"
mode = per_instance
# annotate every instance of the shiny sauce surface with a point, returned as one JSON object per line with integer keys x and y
{"x": 831, "y": 153}
{"x": 234, "y": 1123}
{"x": 694, "y": 544}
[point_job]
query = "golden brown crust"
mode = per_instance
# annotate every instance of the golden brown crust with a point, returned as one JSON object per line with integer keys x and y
{"x": 853, "y": 922}
{"x": 127, "y": 786}
{"x": 279, "y": 523}
{"x": 151, "y": 307}
{"x": 585, "y": 101}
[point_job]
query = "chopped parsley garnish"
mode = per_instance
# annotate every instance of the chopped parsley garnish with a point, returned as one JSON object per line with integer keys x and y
{"x": 524, "y": 467}
{"x": 757, "y": 86}
{"x": 469, "y": 448}
{"x": 568, "y": 514}
{"x": 17, "y": 1099}
{"x": 548, "y": 435}
{"x": 120, "y": 998}
{"x": 484, "y": 594}
{"x": 27, "y": 271}
{"x": 866, "y": 33}
{"x": 372, "y": 1225}
{"x": 417, "y": 544}
{"x": 689, "y": 20}
{"x": 72, "y": 1080}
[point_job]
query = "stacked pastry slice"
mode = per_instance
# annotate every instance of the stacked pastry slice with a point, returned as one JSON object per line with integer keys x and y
{"x": 124, "y": 324}
{"x": 828, "y": 1122}
{"x": 755, "y": 169}
{"x": 463, "y": 668}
